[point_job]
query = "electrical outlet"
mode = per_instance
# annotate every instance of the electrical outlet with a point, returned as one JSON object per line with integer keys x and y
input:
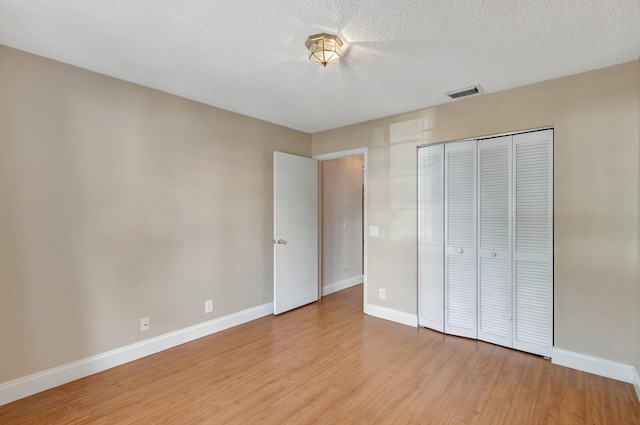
{"x": 208, "y": 306}
{"x": 382, "y": 294}
{"x": 144, "y": 324}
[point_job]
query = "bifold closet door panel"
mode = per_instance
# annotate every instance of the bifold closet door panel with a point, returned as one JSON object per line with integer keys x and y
{"x": 431, "y": 236}
{"x": 494, "y": 241}
{"x": 533, "y": 242}
{"x": 460, "y": 239}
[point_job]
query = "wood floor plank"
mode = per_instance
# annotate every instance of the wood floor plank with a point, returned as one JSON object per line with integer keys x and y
{"x": 327, "y": 363}
{"x": 522, "y": 406}
{"x": 494, "y": 412}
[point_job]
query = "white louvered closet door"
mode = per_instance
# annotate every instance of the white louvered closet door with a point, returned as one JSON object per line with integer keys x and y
{"x": 494, "y": 241}
{"x": 533, "y": 242}
{"x": 431, "y": 236}
{"x": 460, "y": 239}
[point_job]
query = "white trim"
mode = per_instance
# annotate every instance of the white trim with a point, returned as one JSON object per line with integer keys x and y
{"x": 341, "y": 154}
{"x": 490, "y": 136}
{"x": 365, "y": 225}
{"x": 343, "y": 284}
{"x": 636, "y": 382}
{"x": 50, "y": 378}
{"x": 392, "y": 315}
{"x": 607, "y": 368}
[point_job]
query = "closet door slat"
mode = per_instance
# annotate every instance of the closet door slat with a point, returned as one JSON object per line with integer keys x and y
{"x": 533, "y": 242}
{"x": 460, "y": 239}
{"x": 431, "y": 236}
{"x": 494, "y": 241}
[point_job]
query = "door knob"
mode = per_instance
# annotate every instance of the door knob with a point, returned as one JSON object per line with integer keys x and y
{"x": 460, "y": 250}
{"x": 280, "y": 242}
{"x": 493, "y": 254}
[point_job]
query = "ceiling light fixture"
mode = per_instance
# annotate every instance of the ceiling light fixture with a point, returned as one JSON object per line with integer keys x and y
{"x": 324, "y": 48}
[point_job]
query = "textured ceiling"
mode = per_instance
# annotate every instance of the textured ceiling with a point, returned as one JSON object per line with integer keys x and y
{"x": 248, "y": 56}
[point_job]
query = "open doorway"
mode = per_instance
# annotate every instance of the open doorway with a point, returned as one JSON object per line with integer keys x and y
{"x": 343, "y": 242}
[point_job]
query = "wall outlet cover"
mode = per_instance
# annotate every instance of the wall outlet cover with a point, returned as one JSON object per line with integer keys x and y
{"x": 144, "y": 324}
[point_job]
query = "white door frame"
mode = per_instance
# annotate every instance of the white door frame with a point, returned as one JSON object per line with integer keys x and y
{"x": 365, "y": 233}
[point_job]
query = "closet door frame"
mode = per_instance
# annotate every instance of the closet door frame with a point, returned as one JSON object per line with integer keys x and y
{"x": 524, "y": 136}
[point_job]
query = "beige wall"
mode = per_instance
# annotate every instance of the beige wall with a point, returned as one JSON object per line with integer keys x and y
{"x": 341, "y": 186}
{"x": 595, "y": 116}
{"x": 119, "y": 202}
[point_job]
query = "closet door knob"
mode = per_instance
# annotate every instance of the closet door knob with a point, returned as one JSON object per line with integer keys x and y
{"x": 460, "y": 250}
{"x": 493, "y": 254}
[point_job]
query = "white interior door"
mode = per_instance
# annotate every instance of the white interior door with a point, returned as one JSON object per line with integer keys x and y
{"x": 460, "y": 239}
{"x": 533, "y": 244}
{"x": 295, "y": 244}
{"x": 494, "y": 241}
{"x": 431, "y": 236}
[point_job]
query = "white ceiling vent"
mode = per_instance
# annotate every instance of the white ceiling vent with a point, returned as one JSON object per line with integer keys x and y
{"x": 467, "y": 91}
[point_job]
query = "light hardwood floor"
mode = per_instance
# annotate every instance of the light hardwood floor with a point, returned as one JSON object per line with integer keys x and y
{"x": 327, "y": 363}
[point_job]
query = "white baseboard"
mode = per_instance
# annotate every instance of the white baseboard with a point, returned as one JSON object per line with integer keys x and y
{"x": 636, "y": 382}
{"x": 343, "y": 284}
{"x": 391, "y": 314}
{"x": 41, "y": 381}
{"x": 607, "y": 368}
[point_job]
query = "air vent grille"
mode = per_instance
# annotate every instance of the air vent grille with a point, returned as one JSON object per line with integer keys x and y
{"x": 467, "y": 91}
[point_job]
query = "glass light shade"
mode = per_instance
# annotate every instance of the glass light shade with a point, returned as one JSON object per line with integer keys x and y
{"x": 324, "y": 48}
